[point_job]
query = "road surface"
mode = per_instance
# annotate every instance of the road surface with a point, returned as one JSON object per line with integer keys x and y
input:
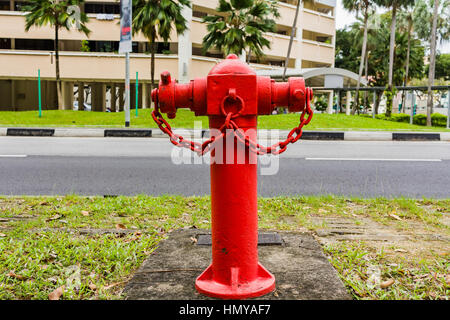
{"x": 129, "y": 166}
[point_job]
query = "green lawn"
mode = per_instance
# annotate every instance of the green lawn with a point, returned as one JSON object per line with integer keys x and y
{"x": 185, "y": 119}
{"x": 42, "y": 248}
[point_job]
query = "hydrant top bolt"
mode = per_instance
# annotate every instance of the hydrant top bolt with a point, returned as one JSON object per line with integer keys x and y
{"x": 165, "y": 78}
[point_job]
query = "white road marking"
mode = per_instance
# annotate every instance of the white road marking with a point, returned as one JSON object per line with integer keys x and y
{"x": 13, "y": 156}
{"x": 373, "y": 159}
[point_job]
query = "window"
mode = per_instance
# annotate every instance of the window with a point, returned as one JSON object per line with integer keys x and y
{"x": 5, "y": 43}
{"x": 34, "y": 44}
{"x": 110, "y": 8}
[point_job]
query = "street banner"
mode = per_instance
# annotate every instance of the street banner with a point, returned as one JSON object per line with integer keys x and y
{"x": 125, "y": 26}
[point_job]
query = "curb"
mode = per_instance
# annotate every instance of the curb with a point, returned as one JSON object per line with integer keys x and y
{"x": 155, "y": 133}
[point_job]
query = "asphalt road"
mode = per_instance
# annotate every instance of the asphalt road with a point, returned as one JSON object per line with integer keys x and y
{"x": 128, "y": 166}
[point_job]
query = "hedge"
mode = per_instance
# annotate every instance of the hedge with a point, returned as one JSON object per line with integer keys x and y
{"x": 437, "y": 119}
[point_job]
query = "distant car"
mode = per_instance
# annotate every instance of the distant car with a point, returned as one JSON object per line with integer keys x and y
{"x": 87, "y": 107}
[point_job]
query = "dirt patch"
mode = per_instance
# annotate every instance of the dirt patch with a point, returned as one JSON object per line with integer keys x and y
{"x": 416, "y": 240}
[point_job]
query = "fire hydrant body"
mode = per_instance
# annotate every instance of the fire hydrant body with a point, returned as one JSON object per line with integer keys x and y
{"x": 232, "y": 96}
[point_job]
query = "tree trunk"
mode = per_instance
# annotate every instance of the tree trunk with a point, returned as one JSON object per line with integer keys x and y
{"x": 391, "y": 59}
{"x": 377, "y": 101}
{"x": 361, "y": 63}
{"x": 432, "y": 64}
{"x": 291, "y": 39}
{"x": 408, "y": 54}
{"x": 366, "y": 75}
{"x": 58, "y": 78}
{"x": 152, "y": 61}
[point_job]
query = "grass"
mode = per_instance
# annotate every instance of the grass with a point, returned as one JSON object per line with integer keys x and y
{"x": 42, "y": 247}
{"x": 185, "y": 119}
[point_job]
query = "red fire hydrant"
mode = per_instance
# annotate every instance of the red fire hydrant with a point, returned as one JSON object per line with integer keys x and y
{"x": 232, "y": 96}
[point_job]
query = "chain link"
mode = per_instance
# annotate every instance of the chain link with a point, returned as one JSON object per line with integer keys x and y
{"x": 202, "y": 148}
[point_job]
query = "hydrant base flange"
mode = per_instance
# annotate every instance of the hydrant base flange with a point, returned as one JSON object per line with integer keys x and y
{"x": 263, "y": 284}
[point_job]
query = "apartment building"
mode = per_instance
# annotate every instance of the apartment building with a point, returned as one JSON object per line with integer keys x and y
{"x": 92, "y": 71}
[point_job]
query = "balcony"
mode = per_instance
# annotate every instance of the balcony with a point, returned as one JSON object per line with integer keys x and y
{"x": 279, "y": 43}
{"x": 88, "y": 66}
{"x": 317, "y": 52}
{"x": 12, "y": 25}
{"x": 318, "y": 22}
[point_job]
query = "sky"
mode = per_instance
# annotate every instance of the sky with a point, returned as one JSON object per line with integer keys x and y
{"x": 344, "y": 18}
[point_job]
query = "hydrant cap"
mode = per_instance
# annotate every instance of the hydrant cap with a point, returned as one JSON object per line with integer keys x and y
{"x": 231, "y": 65}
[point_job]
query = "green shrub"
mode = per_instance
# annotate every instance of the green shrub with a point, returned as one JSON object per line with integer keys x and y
{"x": 438, "y": 120}
{"x": 400, "y": 117}
{"x": 420, "y": 119}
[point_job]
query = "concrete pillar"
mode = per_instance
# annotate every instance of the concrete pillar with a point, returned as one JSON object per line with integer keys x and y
{"x": 132, "y": 97}
{"x": 49, "y": 97}
{"x": 145, "y": 96}
{"x": 13, "y": 95}
{"x": 121, "y": 100}
{"x": 113, "y": 97}
{"x": 348, "y": 103}
{"x": 67, "y": 94}
{"x": 185, "y": 48}
{"x": 330, "y": 102}
{"x": 98, "y": 97}
{"x": 299, "y": 37}
{"x": 80, "y": 96}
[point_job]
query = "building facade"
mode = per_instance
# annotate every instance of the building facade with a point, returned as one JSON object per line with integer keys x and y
{"x": 93, "y": 65}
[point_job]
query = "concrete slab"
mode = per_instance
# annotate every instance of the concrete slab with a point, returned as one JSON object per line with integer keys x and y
{"x": 367, "y": 136}
{"x": 301, "y": 269}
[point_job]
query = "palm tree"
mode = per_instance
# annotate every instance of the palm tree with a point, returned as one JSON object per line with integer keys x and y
{"x": 357, "y": 6}
{"x": 406, "y": 24}
{"x": 430, "y": 27}
{"x": 59, "y": 14}
{"x": 394, "y": 5}
{"x": 239, "y": 26}
{"x": 432, "y": 63}
{"x": 155, "y": 19}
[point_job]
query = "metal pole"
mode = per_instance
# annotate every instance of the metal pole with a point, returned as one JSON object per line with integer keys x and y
{"x": 374, "y": 104}
{"x": 448, "y": 111}
{"x": 39, "y": 93}
{"x": 127, "y": 89}
{"x": 413, "y": 102}
{"x": 137, "y": 93}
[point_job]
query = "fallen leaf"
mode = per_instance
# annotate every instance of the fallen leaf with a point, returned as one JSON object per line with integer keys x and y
{"x": 56, "y": 294}
{"x": 2, "y": 235}
{"x": 447, "y": 279}
{"x": 16, "y": 276}
{"x": 55, "y": 217}
{"x": 190, "y": 204}
{"x": 85, "y": 213}
{"x": 52, "y": 280}
{"x": 395, "y": 216}
{"x": 120, "y": 226}
{"x": 112, "y": 285}
{"x": 323, "y": 211}
{"x": 400, "y": 250}
{"x": 93, "y": 287}
{"x": 386, "y": 283}
{"x": 194, "y": 240}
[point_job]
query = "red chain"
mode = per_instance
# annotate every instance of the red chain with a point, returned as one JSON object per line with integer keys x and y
{"x": 202, "y": 148}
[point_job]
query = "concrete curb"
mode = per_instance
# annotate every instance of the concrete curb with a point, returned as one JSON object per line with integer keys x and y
{"x": 280, "y": 134}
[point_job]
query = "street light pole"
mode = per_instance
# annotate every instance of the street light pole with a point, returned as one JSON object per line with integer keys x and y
{"x": 127, "y": 89}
